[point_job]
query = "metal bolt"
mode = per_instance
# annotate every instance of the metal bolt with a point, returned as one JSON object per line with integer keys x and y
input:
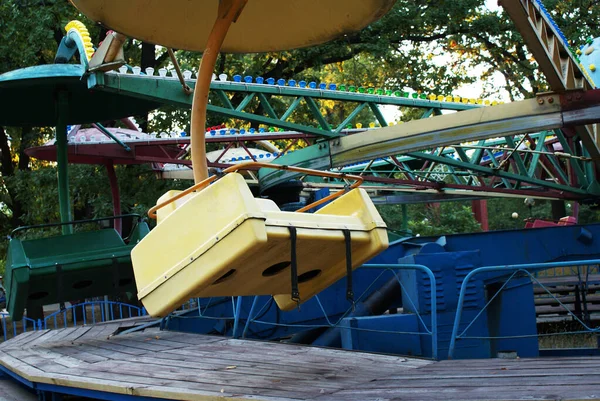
{"x": 550, "y": 100}
{"x": 569, "y": 97}
{"x": 540, "y": 101}
{"x": 578, "y": 96}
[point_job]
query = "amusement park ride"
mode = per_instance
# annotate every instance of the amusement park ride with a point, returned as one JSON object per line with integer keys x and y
{"x": 295, "y": 236}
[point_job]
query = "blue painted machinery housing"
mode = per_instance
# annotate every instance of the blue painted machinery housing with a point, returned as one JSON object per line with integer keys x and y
{"x": 395, "y": 304}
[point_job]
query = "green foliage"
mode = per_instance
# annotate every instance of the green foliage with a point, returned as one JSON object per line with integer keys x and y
{"x": 429, "y": 46}
{"x": 432, "y": 219}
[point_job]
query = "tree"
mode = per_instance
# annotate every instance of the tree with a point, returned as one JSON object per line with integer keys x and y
{"x": 429, "y": 46}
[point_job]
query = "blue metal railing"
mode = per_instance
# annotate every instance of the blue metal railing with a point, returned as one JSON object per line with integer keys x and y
{"x": 432, "y": 330}
{"x": 106, "y": 312}
{"x": 525, "y": 269}
{"x": 91, "y": 312}
{"x": 12, "y": 329}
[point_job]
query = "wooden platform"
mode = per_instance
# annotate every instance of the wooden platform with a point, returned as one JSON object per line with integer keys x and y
{"x": 179, "y": 366}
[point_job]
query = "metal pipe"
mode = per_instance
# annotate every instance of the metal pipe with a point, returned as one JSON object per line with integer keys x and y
{"x": 23, "y": 228}
{"x": 62, "y": 161}
{"x": 404, "y": 217}
{"x": 116, "y": 199}
{"x": 527, "y": 267}
{"x": 109, "y": 134}
{"x": 375, "y": 304}
{"x": 228, "y": 12}
{"x": 238, "y": 312}
{"x": 244, "y": 166}
{"x": 249, "y": 320}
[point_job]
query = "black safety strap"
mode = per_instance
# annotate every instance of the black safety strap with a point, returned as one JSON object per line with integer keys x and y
{"x": 349, "y": 291}
{"x": 59, "y": 286}
{"x": 294, "y": 265}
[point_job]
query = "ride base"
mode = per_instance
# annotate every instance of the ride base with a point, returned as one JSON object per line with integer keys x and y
{"x": 158, "y": 365}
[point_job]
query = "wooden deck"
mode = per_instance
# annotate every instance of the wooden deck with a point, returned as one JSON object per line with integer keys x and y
{"x": 181, "y": 366}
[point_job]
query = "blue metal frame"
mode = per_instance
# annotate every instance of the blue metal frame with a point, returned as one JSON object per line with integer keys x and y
{"x": 391, "y": 267}
{"x": 28, "y": 324}
{"x": 103, "y": 317}
{"x": 14, "y": 325}
{"x": 525, "y": 268}
{"x": 426, "y": 270}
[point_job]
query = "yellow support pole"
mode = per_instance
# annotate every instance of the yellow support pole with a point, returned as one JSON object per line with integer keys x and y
{"x": 229, "y": 10}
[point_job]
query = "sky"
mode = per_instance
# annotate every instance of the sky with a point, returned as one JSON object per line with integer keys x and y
{"x": 473, "y": 90}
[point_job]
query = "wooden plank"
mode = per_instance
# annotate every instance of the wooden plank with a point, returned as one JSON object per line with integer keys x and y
{"x": 185, "y": 366}
{"x": 439, "y": 381}
{"x": 62, "y": 333}
{"x": 294, "y": 372}
{"x": 217, "y": 378}
{"x": 15, "y": 340}
{"x": 335, "y": 359}
{"x": 561, "y": 392}
{"x": 115, "y": 347}
{"x": 201, "y": 395}
{"x": 25, "y": 370}
{"x": 186, "y": 338}
{"x": 265, "y": 359}
{"x": 24, "y": 338}
{"x": 75, "y": 334}
{"x": 160, "y": 341}
{"x": 325, "y": 352}
{"x": 49, "y": 337}
{"x": 216, "y": 362}
{"x": 146, "y": 344}
{"x": 39, "y": 357}
{"x": 81, "y": 354}
{"x": 138, "y": 375}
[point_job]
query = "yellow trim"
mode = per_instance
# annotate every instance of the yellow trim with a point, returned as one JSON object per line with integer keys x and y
{"x": 82, "y": 31}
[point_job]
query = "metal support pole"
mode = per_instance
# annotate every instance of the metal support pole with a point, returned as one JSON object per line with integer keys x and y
{"x": 62, "y": 161}
{"x": 109, "y": 134}
{"x": 114, "y": 188}
{"x": 507, "y": 268}
{"x": 480, "y": 211}
{"x": 249, "y": 320}
{"x": 238, "y": 312}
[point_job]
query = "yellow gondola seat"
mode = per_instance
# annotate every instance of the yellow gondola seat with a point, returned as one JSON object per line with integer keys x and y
{"x": 222, "y": 241}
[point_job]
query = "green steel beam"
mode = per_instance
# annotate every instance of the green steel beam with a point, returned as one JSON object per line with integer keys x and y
{"x": 245, "y": 102}
{"x": 317, "y": 113}
{"x": 314, "y": 157}
{"x": 427, "y": 113}
{"x": 267, "y": 106}
{"x": 169, "y": 91}
{"x": 291, "y": 109}
{"x": 515, "y": 155}
{"x": 575, "y": 164}
{"x": 324, "y": 94}
{"x": 539, "y": 147}
{"x": 269, "y": 121}
{"x": 499, "y": 173}
{"x": 149, "y": 89}
{"x": 378, "y": 115}
{"x": 224, "y": 99}
{"x": 496, "y": 164}
{"x": 350, "y": 118}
